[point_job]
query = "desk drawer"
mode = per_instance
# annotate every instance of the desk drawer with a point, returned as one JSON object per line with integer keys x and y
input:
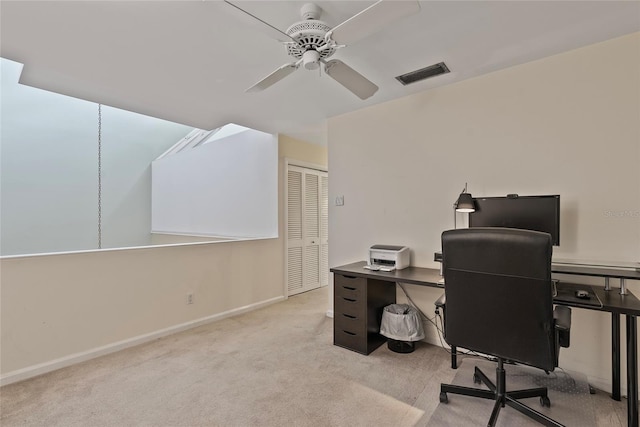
{"x": 349, "y": 283}
{"x": 349, "y": 291}
{"x": 349, "y": 322}
{"x": 356, "y": 341}
{"x": 352, "y": 307}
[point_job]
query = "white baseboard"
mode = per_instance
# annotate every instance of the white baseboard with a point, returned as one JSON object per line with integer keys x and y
{"x": 63, "y": 362}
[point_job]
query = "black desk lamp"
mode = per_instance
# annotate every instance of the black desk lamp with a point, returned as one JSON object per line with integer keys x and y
{"x": 463, "y": 204}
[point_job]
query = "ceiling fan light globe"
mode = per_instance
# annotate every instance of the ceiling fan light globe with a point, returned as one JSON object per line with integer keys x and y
{"x": 310, "y": 60}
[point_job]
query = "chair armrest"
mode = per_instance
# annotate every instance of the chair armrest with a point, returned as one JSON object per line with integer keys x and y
{"x": 440, "y": 302}
{"x": 562, "y": 318}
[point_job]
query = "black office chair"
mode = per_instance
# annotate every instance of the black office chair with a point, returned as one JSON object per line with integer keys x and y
{"x": 499, "y": 301}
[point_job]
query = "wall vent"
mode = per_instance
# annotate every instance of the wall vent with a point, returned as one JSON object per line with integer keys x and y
{"x": 423, "y": 73}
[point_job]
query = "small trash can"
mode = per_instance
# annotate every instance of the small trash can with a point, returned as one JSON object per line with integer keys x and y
{"x": 402, "y": 325}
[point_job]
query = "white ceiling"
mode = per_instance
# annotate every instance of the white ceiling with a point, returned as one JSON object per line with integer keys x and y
{"x": 190, "y": 61}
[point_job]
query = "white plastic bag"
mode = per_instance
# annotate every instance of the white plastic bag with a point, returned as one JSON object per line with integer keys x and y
{"x": 401, "y": 322}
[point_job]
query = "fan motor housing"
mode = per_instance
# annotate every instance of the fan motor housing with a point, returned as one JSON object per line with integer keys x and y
{"x": 309, "y": 35}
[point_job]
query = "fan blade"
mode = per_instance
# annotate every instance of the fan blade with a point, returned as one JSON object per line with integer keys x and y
{"x": 265, "y": 27}
{"x": 350, "y": 78}
{"x": 274, "y": 77}
{"x": 372, "y": 19}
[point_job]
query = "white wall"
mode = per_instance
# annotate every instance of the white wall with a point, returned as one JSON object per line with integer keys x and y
{"x": 59, "y": 309}
{"x": 48, "y": 172}
{"x": 568, "y": 124}
{"x": 226, "y": 187}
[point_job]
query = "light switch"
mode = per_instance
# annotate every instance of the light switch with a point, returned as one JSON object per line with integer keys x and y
{"x": 340, "y": 201}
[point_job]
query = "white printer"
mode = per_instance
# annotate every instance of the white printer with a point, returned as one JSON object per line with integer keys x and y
{"x": 388, "y": 258}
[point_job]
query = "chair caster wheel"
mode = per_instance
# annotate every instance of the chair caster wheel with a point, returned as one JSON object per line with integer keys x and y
{"x": 476, "y": 379}
{"x": 544, "y": 401}
{"x": 444, "y": 398}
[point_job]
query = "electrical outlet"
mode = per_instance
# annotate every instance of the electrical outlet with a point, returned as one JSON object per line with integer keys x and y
{"x": 190, "y": 298}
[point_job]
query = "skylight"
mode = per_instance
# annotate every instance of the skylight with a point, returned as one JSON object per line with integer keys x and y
{"x": 198, "y": 137}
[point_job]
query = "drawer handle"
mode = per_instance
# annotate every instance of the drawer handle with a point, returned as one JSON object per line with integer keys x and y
{"x": 349, "y": 288}
{"x": 348, "y": 333}
{"x": 348, "y": 299}
{"x": 349, "y": 277}
{"x": 349, "y": 316}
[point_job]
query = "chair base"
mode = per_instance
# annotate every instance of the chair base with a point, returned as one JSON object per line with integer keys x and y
{"x": 502, "y": 397}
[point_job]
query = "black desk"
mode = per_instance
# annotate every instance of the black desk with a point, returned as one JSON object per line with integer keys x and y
{"x": 617, "y": 301}
{"x": 357, "y": 313}
{"x": 598, "y": 271}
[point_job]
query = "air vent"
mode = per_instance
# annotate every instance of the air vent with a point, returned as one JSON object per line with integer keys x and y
{"x": 423, "y": 73}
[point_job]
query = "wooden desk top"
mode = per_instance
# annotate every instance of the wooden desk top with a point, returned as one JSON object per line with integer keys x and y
{"x": 601, "y": 300}
{"x": 412, "y": 275}
{"x": 610, "y": 301}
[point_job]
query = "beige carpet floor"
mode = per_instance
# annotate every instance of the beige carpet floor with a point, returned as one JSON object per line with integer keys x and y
{"x": 569, "y": 396}
{"x": 271, "y": 367}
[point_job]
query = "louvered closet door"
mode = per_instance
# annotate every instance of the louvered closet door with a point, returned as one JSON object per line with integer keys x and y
{"x": 294, "y": 231}
{"x": 307, "y": 229}
{"x": 311, "y": 250}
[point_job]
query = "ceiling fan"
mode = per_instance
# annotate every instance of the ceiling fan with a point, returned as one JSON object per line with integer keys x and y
{"x": 311, "y": 42}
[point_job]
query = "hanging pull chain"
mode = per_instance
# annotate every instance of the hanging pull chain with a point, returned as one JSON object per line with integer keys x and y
{"x": 99, "y": 176}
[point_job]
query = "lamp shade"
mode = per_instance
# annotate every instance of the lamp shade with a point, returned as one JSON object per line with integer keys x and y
{"x": 465, "y": 203}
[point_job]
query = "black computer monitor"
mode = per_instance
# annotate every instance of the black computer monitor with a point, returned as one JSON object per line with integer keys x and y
{"x": 538, "y": 213}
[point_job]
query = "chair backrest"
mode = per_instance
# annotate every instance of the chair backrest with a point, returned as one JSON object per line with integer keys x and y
{"x": 499, "y": 294}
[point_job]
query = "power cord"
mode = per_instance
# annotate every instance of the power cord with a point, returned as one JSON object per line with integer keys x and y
{"x": 434, "y": 321}
{"x": 463, "y": 353}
